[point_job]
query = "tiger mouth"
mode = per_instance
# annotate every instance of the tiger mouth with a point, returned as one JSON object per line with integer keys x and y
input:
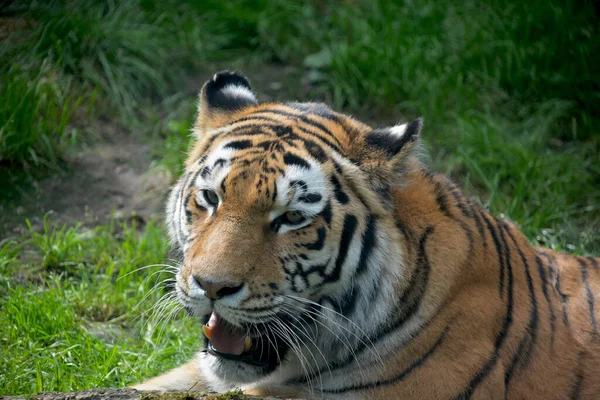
{"x": 226, "y": 341}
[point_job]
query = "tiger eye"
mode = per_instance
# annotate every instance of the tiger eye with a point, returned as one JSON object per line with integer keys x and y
{"x": 294, "y": 217}
{"x": 211, "y": 197}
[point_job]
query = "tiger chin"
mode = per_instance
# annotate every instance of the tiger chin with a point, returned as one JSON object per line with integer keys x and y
{"x": 326, "y": 260}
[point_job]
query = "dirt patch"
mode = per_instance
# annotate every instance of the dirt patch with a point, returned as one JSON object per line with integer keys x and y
{"x": 112, "y": 179}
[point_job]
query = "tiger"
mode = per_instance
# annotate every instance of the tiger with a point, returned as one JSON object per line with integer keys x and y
{"x": 325, "y": 259}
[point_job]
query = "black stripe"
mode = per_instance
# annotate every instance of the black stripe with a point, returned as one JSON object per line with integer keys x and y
{"x": 499, "y": 251}
{"x": 251, "y": 130}
{"x": 465, "y": 227}
{"x": 291, "y": 159}
{"x": 398, "y": 377}
{"x": 524, "y": 350}
{"x": 577, "y": 385}
{"x": 441, "y": 199}
{"x": 542, "y": 272}
{"x": 259, "y": 118}
{"x": 274, "y": 197}
{"x": 340, "y": 195}
{"x": 368, "y": 243}
{"x": 338, "y": 167}
{"x": 348, "y": 303}
{"x": 317, "y": 244}
{"x": 269, "y": 145}
{"x": 403, "y": 229}
{"x": 219, "y": 163}
{"x": 322, "y": 138}
{"x": 325, "y": 112}
{"x": 205, "y": 171}
{"x": 564, "y": 299}
{"x": 594, "y": 262}
{"x": 310, "y": 198}
{"x": 502, "y": 334}
{"x": 305, "y": 271}
{"x": 308, "y": 121}
{"x": 477, "y": 217}
{"x": 283, "y": 131}
{"x": 299, "y": 184}
{"x": 238, "y": 145}
{"x": 326, "y": 213}
{"x": 588, "y": 293}
{"x": 407, "y": 306}
{"x": 315, "y": 150}
{"x": 188, "y": 212}
{"x": 413, "y": 294}
{"x": 409, "y": 301}
{"x": 348, "y": 230}
{"x": 460, "y": 201}
{"x": 443, "y": 204}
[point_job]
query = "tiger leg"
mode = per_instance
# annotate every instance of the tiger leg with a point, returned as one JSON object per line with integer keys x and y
{"x": 185, "y": 377}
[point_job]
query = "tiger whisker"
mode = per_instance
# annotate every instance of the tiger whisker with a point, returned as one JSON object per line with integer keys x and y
{"x": 146, "y": 267}
{"x": 370, "y": 343}
{"x": 295, "y": 346}
{"x": 301, "y": 325}
{"x": 343, "y": 339}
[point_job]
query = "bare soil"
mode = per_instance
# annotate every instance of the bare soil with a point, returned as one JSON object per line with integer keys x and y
{"x": 110, "y": 179}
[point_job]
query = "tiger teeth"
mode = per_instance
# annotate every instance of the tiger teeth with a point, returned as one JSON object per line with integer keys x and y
{"x": 207, "y": 331}
{"x": 247, "y": 343}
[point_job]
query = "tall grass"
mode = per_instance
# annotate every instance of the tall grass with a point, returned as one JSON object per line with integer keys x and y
{"x": 125, "y": 54}
{"x": 35, "y": 110}
{"x": 434, "y": 58}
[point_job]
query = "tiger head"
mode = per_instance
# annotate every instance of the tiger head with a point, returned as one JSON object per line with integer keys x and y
{"x": 283, "y": 219}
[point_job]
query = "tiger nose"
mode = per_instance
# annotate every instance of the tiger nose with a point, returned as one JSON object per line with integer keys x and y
{"x": 217, "y": 290}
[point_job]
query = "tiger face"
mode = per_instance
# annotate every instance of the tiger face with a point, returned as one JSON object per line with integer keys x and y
{"x": 278, "y": 213}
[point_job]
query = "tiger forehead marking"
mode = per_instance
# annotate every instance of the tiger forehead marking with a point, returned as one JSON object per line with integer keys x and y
{"x": 263, "y": 171}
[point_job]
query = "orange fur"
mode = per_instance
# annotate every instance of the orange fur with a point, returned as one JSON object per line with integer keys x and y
{"x": 497, "y": 318}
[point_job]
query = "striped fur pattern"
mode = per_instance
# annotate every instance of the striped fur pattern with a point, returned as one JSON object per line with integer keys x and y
{"x": 393, "y": 285}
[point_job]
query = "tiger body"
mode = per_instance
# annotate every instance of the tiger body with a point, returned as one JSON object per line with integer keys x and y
{"x": 360, "y": 273}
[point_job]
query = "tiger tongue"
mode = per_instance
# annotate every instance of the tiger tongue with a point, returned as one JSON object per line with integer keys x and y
{"x": 224, "y": 337}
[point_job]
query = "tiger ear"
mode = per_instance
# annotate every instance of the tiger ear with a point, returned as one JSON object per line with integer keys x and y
{"x": 220, "y": 97}
{"x": 397, "y": 141}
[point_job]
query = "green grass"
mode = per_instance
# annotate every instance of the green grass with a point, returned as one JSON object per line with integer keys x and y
{"x": 508, "y": 91}
{"x": 121, "y": 55}
{"x": 35, "y": 110}
{"x": 75, "y": 308}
